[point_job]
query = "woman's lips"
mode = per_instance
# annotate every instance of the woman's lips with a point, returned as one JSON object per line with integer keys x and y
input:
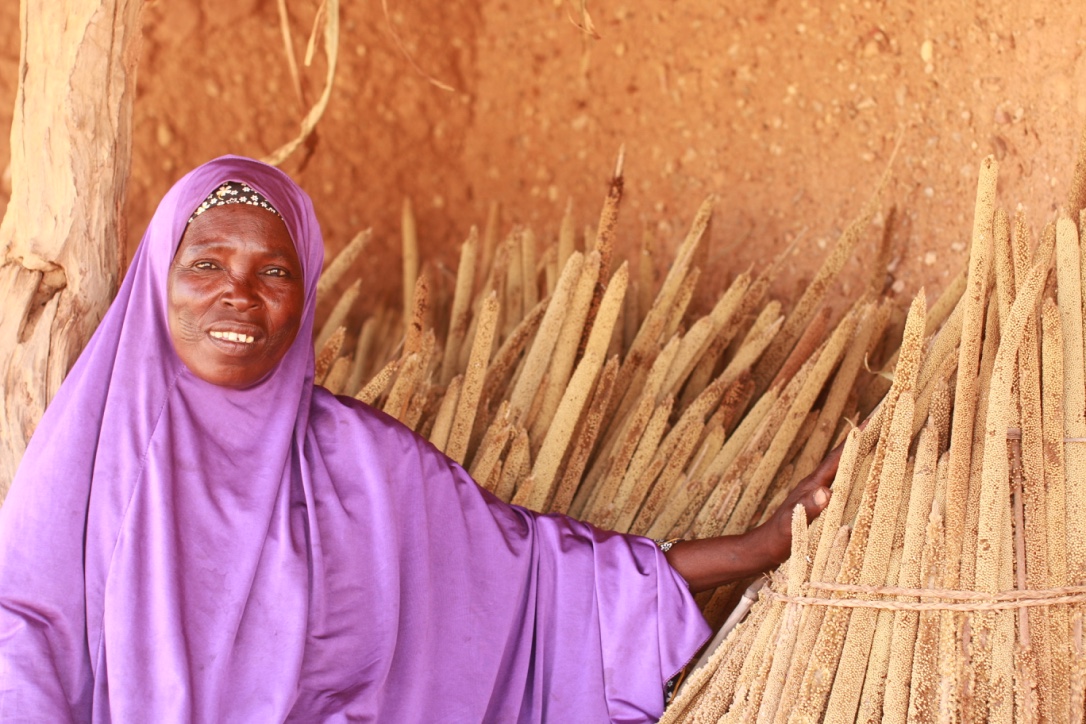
{"x": 239, "y": 337}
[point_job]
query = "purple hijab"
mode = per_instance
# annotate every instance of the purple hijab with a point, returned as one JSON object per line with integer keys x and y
{"x": 174, "y": 551}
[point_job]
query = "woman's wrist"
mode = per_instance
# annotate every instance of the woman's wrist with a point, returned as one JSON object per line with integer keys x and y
{"x": 766, "y": 547}
{"x": 710, "y": 562}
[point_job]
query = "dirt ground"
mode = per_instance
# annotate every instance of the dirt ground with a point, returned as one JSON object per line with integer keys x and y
{"x": 787, "y": 112}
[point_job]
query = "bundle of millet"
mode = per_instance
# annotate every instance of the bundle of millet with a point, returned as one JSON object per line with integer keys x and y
{"x": 935, "y": 587}
{"x": 941, "y": 584}
{"x": 564, "y": 385}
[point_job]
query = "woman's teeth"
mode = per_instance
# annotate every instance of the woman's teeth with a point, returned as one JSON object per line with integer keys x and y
{"x": 233, "y": 337}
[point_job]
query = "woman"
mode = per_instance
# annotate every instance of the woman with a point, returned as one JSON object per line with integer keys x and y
{"x": 197, "y": 533}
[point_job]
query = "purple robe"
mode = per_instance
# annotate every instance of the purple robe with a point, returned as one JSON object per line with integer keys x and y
{"x": 173, "y": 551}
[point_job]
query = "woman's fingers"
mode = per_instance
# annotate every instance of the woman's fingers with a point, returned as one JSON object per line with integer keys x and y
{"x": 828, "y": 467}
{"x": 820, "y": 479}
{"x": 813, "y": 492}
{"x": 816, "y": 501}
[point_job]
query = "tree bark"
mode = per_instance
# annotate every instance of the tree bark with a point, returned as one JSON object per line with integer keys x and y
{"x": 63, "y": 234}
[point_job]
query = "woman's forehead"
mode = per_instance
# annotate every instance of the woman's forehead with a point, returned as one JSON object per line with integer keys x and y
{"x": 239, "y": 226}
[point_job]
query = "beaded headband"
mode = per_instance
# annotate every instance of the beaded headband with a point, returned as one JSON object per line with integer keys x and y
{"x": 233, "y": 192}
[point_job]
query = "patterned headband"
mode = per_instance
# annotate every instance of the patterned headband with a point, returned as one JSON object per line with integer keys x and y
{"x": 234, "y": 192}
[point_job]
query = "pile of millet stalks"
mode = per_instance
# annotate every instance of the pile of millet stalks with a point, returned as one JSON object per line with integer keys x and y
{"x": 935, "y": 586}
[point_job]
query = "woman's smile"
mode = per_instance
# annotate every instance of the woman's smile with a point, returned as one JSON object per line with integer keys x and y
{"x": 236, "y": 340}
{"x": 235, "y": 337}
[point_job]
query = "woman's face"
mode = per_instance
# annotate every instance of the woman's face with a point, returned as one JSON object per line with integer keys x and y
{"x": 235, "y": 295}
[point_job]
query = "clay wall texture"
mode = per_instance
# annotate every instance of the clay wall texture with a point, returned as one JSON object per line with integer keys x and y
{"x": 787, "y": 111}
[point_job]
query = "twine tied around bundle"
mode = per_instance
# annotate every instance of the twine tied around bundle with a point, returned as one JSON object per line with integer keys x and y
{"x": 951, "y": 600}
{"x": 945, "y": 599}
{"x": 1015, "y": 433}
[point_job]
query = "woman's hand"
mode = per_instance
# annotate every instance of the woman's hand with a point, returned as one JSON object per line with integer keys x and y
{"x": 712, "y": 562}
{"x": 774, "y": 537}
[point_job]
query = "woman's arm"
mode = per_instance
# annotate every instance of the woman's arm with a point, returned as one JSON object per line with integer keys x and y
{"x": 711, "y": 562}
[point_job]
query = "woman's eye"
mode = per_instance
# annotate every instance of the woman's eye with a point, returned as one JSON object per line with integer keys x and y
{"x": 277, "y": 271}
{"x": 204, "y": 265}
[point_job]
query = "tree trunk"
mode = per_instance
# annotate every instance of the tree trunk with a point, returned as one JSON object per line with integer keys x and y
{"x": 63, "y": 234}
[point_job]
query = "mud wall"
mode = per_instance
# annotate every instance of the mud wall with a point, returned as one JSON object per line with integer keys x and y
{"x": 788, "y": 112}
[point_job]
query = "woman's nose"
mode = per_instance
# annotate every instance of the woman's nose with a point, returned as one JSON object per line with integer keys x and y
{"x": 239, "y": 293}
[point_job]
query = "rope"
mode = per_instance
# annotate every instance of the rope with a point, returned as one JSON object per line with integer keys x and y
{"x": 1015, "y": 433}
{"x": 967, "y": 600}
{"x": 970, "y": 600}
